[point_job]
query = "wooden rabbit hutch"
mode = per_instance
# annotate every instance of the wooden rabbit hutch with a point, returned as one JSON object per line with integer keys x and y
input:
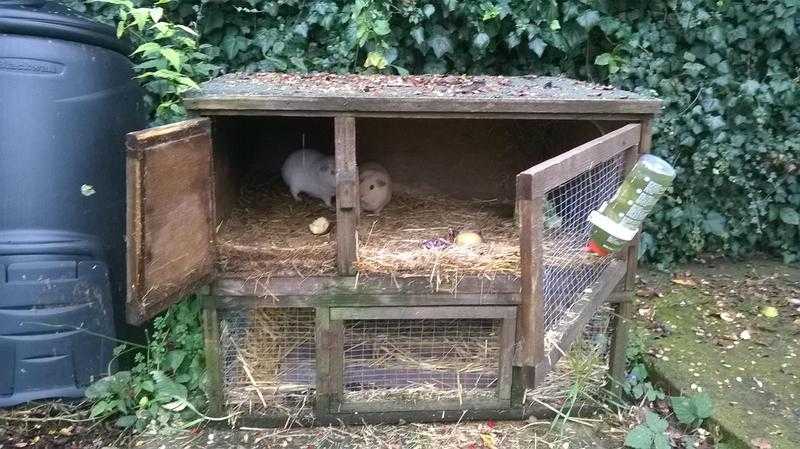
{"x": 383, "y": 319}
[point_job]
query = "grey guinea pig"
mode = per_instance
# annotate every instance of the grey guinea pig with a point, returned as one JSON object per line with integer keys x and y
{"x": 375, "y": 187}
{"x": 311, "y": 172}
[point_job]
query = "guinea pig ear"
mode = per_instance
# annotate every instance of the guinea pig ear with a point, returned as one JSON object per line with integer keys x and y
{"x": 381, "y": 183}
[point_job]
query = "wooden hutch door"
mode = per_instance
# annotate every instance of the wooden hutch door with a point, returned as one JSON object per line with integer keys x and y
{"x": 170, "y": 215}
{"x": 562, "y": 285}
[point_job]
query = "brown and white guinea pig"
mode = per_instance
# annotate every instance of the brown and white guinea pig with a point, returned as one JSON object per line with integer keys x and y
{"x": 311, "y": 172}
{"x": 375, "y": 187}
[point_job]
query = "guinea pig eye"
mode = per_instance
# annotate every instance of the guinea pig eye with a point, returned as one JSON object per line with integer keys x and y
{"x": 372, "y": 187}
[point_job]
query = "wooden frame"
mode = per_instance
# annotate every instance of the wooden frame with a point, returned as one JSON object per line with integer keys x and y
{"x": 334, "y": 390}
{"x": 532, "y": 186}
{"x": 347, "y": 199}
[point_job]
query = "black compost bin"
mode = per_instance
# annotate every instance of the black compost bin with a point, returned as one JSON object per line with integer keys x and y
{"x": 67, "y": 98}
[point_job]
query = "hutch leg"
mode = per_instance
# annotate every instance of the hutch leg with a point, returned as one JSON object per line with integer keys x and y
{"x": 507, "y": 346}
{"x": 212, "y": 353}
{"x": 347, "y": 199}
{"x": 324, "y": 350}
{"x": 530, "y": 317}
{"x": 336, "y": 355}
{"x": 624, "y": 309}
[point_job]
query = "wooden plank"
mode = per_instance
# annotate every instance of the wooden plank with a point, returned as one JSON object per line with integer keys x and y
{"x": 620, "y": 322}
{"x": 507, "y": 346}
{"x": 557, "y": 170}
{"x": 349, "y": 285}
{"x": 426, "y": 115}
{"x": 347, "y": 199}
{"x": 350, "y": 105}
{"x": 401, "y": 417}
{"x": 170, "y": 215}
{"x": 351, "y": 92}
{"x": 530, "y": 319}
{"x": 354, "y": 93}
{"x": 324, "y": 350}
{"x": 413, "y": 313}
{"x": 211, "y": 342}
{"x": 522, "y": 376}
{"x": 585, "y": 309}
{"x": 398, "y": 406}
{"x": 336, "y": 373}
{"x": 397, "y": 300}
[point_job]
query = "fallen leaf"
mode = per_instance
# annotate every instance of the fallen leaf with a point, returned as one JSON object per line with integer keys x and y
{"x": 491, "y": 423}
{"x": 726, "y": 316}
{"x": 647, "y": 292}
{"x": 761, "y": 443}
{"x": 686, "y": 282}
{"x": 488, "y": 440}
{"x": 745, "y": 335}
{"x": 769, "y": 312}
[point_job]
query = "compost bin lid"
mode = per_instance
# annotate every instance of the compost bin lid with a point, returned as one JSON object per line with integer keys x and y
{"x": 56, "y": 21}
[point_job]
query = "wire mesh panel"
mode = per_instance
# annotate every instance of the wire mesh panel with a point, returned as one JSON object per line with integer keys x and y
{"x": 415, "y": 361}
{"x": 569, "y": 270}
{"x": 598, "y": 331}
{"x": 268, "y": 360}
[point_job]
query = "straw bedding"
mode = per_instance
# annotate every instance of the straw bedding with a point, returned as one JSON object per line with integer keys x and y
{"x": 267, "y": 235}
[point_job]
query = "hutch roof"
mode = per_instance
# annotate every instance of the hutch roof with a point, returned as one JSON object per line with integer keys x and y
{"x": 241, "y": 93}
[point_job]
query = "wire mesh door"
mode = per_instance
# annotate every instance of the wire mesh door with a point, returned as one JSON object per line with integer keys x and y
{"x": 268, "y": 361}
{"x": 422, "y": 358}
{"x": 562, "y": 284}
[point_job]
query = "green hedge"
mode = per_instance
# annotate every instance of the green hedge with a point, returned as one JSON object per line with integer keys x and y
{"x": 727, "y": 71}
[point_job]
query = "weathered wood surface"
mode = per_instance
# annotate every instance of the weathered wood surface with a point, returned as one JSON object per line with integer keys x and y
{"x": 584, "y": 309}
{"x": 557, "y": 170}
{"x": 170, "y": 215}
{"x": 421, "y": 313}
{"x": 211, "y": 344}
{"x": 418, "y": 416}
{"x": 324, "y": 349}
{"x": 506, "y": 359}
{"x": 413, "y": 94}
{"x": 400, "y": 417}
{"x": 427, "y": 405}
{"x": 336, "y": 366}
{"x": 530, "y": 320}
{"x": 278, "y": 287}
{"x": 398, "y": 300}
{"x": 604, "y": 117}
{"x": 347, "y": 199}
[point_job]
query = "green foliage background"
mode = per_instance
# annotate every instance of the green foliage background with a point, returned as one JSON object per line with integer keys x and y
{"x": 727, "y": 72}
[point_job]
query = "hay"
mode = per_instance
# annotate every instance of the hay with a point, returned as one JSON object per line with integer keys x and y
{"x": 393, "y": 243}
{"x": 267, "y": 235}
{"x": 269, "y": 361}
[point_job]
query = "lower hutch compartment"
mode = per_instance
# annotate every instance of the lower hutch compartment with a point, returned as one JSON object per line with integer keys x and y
{"x": 341, "y": 357}
{"x": 385, "y": 319}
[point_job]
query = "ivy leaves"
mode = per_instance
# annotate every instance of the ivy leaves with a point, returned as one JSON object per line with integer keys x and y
{"x": 727, "y": 75}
